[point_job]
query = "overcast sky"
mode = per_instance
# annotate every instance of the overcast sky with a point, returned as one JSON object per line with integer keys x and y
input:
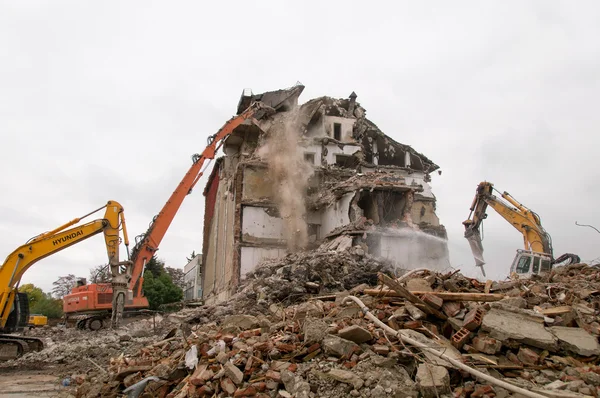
{"x": 108, "y": 100}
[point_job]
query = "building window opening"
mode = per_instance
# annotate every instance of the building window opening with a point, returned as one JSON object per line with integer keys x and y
{"x": 310, "y": 158}
{"x": 337, "y": 131}
{"x": 348, "y": 161}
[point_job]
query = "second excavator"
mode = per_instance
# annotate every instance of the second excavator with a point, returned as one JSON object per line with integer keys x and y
{"x": 537, "y": 257}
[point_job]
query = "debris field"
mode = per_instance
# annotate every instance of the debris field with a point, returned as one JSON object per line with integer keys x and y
{"x": 338, "y": 324}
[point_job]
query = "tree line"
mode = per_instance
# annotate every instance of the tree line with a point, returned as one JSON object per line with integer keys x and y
{"x": 162, "y": 285}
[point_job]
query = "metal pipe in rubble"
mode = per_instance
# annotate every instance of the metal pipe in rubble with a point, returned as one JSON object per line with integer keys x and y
{"x": 458, "y": 364}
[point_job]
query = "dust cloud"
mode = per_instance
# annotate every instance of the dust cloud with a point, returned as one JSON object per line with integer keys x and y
{"x": 289, "y": 174}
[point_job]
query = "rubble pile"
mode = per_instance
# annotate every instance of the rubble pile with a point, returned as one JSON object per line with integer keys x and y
{"x": 297, "y": 276}
{"x": 72, "y": 351}
{"x": 540, "y": 335}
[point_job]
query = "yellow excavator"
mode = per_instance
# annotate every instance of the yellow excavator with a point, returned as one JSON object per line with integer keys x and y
{"x": 537, "y": 257}
{"x": 14, "y": 306}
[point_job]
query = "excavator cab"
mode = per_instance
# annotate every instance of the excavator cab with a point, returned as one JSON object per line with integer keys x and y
{"x": 528, "y": 263}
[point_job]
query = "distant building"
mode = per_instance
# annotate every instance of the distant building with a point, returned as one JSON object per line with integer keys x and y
{"x": 193, "y": 279}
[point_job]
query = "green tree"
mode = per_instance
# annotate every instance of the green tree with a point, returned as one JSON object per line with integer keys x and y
{"x": 42, "y": 303}
{"x": 156, "y": 266}
{"x": 49, "y": 306}
{"x": 158, "y": 285}
{"x": 34, "y": 293}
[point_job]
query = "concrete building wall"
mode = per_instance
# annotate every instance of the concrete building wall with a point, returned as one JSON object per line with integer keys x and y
{"x": 219, "y": 266}
{"x": 347, "y": 125}
{"x": 252, "y": 256}
{"x": 257, "y": 224}
{"x": 336, "y": 215}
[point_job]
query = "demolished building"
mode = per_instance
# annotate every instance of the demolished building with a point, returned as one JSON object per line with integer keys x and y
{"x": 315, "y": 174}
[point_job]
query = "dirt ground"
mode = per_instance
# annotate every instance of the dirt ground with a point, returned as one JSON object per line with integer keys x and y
{"x": 40, "y": 383}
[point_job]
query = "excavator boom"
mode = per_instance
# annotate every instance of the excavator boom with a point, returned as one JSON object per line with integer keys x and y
{"x": 148, "y": 243}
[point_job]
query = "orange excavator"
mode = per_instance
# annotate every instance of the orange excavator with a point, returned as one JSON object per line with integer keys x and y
{"x": 90, "y": 305}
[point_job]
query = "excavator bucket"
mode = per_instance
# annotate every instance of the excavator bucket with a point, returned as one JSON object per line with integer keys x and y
{"x": 474, "y": 238}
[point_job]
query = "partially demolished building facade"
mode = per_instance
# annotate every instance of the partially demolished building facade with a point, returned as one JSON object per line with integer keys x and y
{"x": 338, "y": 183}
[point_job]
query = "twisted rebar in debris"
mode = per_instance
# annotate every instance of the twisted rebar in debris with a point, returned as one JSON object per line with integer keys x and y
{"x": 458, "y": 364}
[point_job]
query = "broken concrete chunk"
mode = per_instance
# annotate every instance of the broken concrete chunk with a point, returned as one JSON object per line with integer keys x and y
{"x": 315, "y": 330}
{"x": 486, "y": 345}
{"x": 244, "y": 322}
{"x": 356, "y": 334}
{"x": 414, "y": 312}
{"x": 418, "y": 285}
{"x": 233, "y": 372}
{"x": 504, "y": 325}
{"x": 518, "y": 302}
{"x": 340, "y": 347}
{"x": 576, "y": 340}
{"x": 433, "y": 380}
{"x": 528, "y": 356}
{"x": 346, "y": 377}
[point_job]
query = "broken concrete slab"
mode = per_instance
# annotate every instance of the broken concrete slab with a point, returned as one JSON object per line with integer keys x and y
{"x": 346, "y": 377}
{"x": 244, "y": 322}
{"x": 315, "y": 330}
{"x": 356, "y": 334}
{"x": 418, "y": 285}
{"x": 576, "y": 340}
{"x": 433, "y": 380}
{"x": 504, "y": 325}
{"x": 340, "y": 347}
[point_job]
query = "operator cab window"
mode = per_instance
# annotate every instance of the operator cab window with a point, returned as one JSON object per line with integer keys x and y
{"x": 536, "y": 265}
{"x": 523, "y": 265}
{"x": 546, "y": 266}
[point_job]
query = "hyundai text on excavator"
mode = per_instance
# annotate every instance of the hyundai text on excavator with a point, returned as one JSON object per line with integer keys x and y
{"x": 89, "y": 304}
{"x": 14, "y": 306}
{"x": 537, "y": 257}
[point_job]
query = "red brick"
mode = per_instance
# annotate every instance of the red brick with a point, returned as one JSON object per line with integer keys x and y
{"x": 285, "y": 347}
{"x": 482, "y": 390}
{"x": 246, "y": 392}
{"x": 413, "y": 324}
{"x": 273, "y": 375}
{"x": 433, "y": 300}
{"x": 528, "y": 356}
{"x": 451, "y": 308}
{"x": 473, "y": 319}
{"x": 228, "y": 386}
{"x": 460, "y": 338}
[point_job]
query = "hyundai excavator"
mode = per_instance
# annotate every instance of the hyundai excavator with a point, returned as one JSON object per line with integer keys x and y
{"x": 89, "y": 304}
{"x": 14, "y": 306}
{"x": 537, "y": 257}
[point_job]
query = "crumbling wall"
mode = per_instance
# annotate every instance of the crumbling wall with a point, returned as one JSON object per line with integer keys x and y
{"x": 316, "y": 171}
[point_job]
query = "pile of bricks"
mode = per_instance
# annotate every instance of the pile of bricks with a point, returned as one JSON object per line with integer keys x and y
{"x": 327, "y": 347}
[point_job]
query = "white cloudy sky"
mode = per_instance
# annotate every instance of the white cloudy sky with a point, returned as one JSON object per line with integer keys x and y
{"x": 108, "y": 100}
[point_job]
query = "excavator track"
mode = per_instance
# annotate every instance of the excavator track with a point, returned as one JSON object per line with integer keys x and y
{"x": 13, "y": 346}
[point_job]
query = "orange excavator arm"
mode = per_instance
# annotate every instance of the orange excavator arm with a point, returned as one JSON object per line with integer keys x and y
{"x": 147, "y": 244}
